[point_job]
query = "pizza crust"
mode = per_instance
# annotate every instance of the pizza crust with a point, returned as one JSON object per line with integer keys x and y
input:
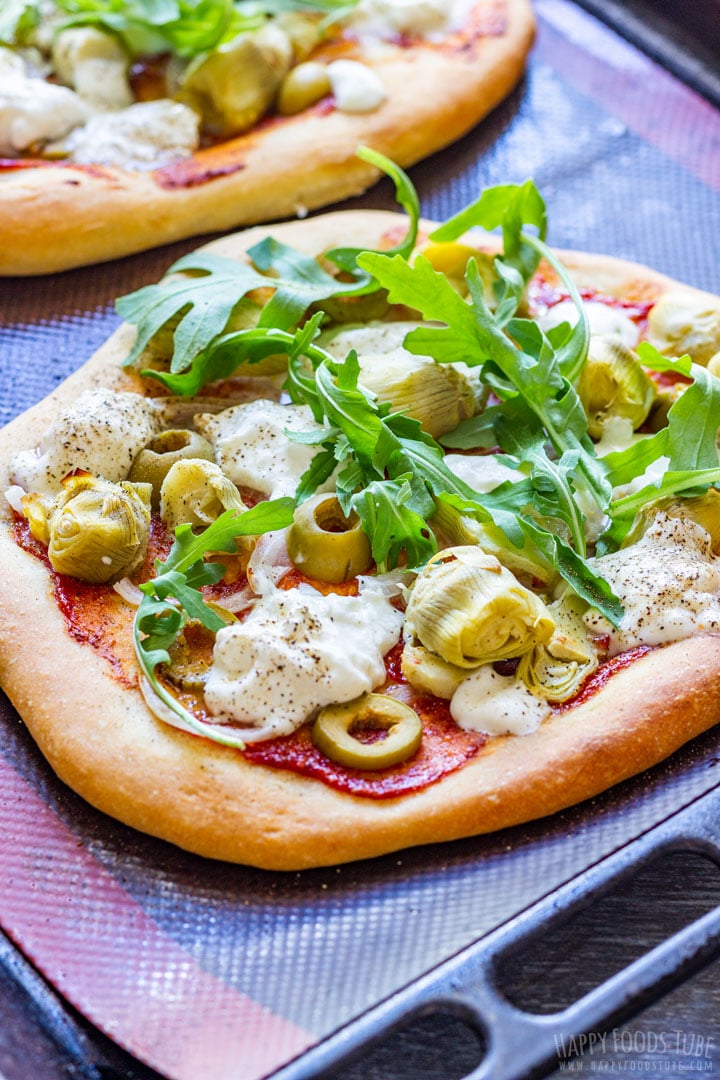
{"x": 55, "y": 217}
{"x": 209, "y": 800}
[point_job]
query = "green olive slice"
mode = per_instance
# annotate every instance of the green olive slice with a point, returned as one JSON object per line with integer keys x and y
{"x": 303, "y": 86}
{"x": 336, "y": 731}
{"x": 155, "y": 461}
{"x": 324, "y": 544}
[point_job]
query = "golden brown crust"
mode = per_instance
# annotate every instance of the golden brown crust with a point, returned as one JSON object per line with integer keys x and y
{"x": 209, "y": 800}
{"x": 56, "y": 217}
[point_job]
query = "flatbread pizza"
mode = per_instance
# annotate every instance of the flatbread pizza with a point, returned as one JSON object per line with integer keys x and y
{"x": 128, "y": 126}
{"x": 335, "y": 550}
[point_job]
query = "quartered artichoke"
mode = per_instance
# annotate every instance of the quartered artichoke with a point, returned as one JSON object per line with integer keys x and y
{"x": 469, "y": 610}
{"x": 95, "y": 64}
{"x": 555, "y": 670}
{"x": 439, "y": 396}
{"x": 612, "y": 384}
{"x": 683, "y": 322}
{"x": 703, "y": 509}
{"x": 457, "y": 529}
{"x": 196, "y": 492}
{"x": 235, "y": 85}
{"x": 95, "y": 530}
{"x": 428, "y": 673}
{"x": 665, "y": 398}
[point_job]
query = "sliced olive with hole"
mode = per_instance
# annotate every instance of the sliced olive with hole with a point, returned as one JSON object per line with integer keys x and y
{"x": 155, "y": 461}
{"x": 324, "y": 544}
{"x": 371, "y": 732}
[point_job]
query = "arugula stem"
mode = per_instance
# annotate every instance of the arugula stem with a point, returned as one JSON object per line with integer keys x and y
{"x": 549, "y": 256}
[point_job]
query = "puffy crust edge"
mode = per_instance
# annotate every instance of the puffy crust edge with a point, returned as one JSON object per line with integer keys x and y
{"x": 56, "y": 218}
{"x": 209, "y": 800}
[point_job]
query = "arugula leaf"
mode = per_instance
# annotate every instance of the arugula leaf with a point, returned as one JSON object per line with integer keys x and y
{"x": 689, "y": 441}
{"x": 173, "y": 595}
{"x": 694, "y": 419}
{"x": 460, "y": 339}
{"x": 18, "y": 18}
{"x": 509, "y": 206}
{"x": 623, "y": 511}
{"x": 520, "y": 352}
{"x": 404, "y": 470}
{"x": 301, "y": 281}
{"x": 201, "y": 301}
{"x": 386, "y": 511}
{"x": 205, "y": 301}
{"x": 186, "y": 27}
{"x": 406, "y": 195}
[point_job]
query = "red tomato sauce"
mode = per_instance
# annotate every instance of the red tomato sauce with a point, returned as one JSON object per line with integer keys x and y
{"x": 602, "y": 675}
{"x": 97, "y": 616}
{"x": 544, "y": 294}
{"x": 445, "y": 748}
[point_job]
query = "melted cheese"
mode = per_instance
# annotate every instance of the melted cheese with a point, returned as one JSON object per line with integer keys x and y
{"x": 496, "y": 704}
{"x": 482, "y": 472}
{"x": 297, "y": 651}
{"x": 418, "y": 18}
{"x": 605, "y": 321}
{"x": 252, "y": 449}
{"x": 32, "y": 110}
{"x": 143, "y": 136}
{"x": 668, "y": 584}
{"x": 101, "y": 433}
{"x": 356, "y": 87}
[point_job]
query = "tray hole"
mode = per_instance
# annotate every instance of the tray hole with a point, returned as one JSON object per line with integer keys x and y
{"x": 551, "y": 971}
{"x": 434, "y": 1046}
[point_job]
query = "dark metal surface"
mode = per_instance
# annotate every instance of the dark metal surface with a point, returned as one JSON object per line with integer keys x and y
{"x": 203, "y": 970}
{"x": 520, "y": 1045}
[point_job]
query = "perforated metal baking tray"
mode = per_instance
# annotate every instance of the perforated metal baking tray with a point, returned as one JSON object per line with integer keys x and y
{"x": 137, "y": 959}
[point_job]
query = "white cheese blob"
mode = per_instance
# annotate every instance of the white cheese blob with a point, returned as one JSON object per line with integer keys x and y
{"x": 297, "y": 651}
{"x": 418, "y": 18}
{"x": 356, "y": 87}
{"x": 101, "y": 433}
{"x": 496, "y": 704}
{"x": 146, "y": 135}
{"x": 605, "y": 321}
{"x": 668, "y": 584}
{"x": 483, "y": 472}
{"x": 32, "y": 110}
{"x": 252, "y": 449}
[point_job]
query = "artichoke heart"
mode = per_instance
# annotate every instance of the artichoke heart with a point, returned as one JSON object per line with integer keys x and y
{"x": 470, "y": 610}
{"x": 196, "y": 492}
{"x": 234, "y": 86}
{"x": 555, "y": 670}
{"x": 703, "y": 509}
{"x": 683, "y": 322}
{"x": 98, "y": 531}
{"x": 428, "y": 673}
{"x": 437, "y": 395}
{"x": 458, "y": 529}
{"x": 613, "y": 384}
